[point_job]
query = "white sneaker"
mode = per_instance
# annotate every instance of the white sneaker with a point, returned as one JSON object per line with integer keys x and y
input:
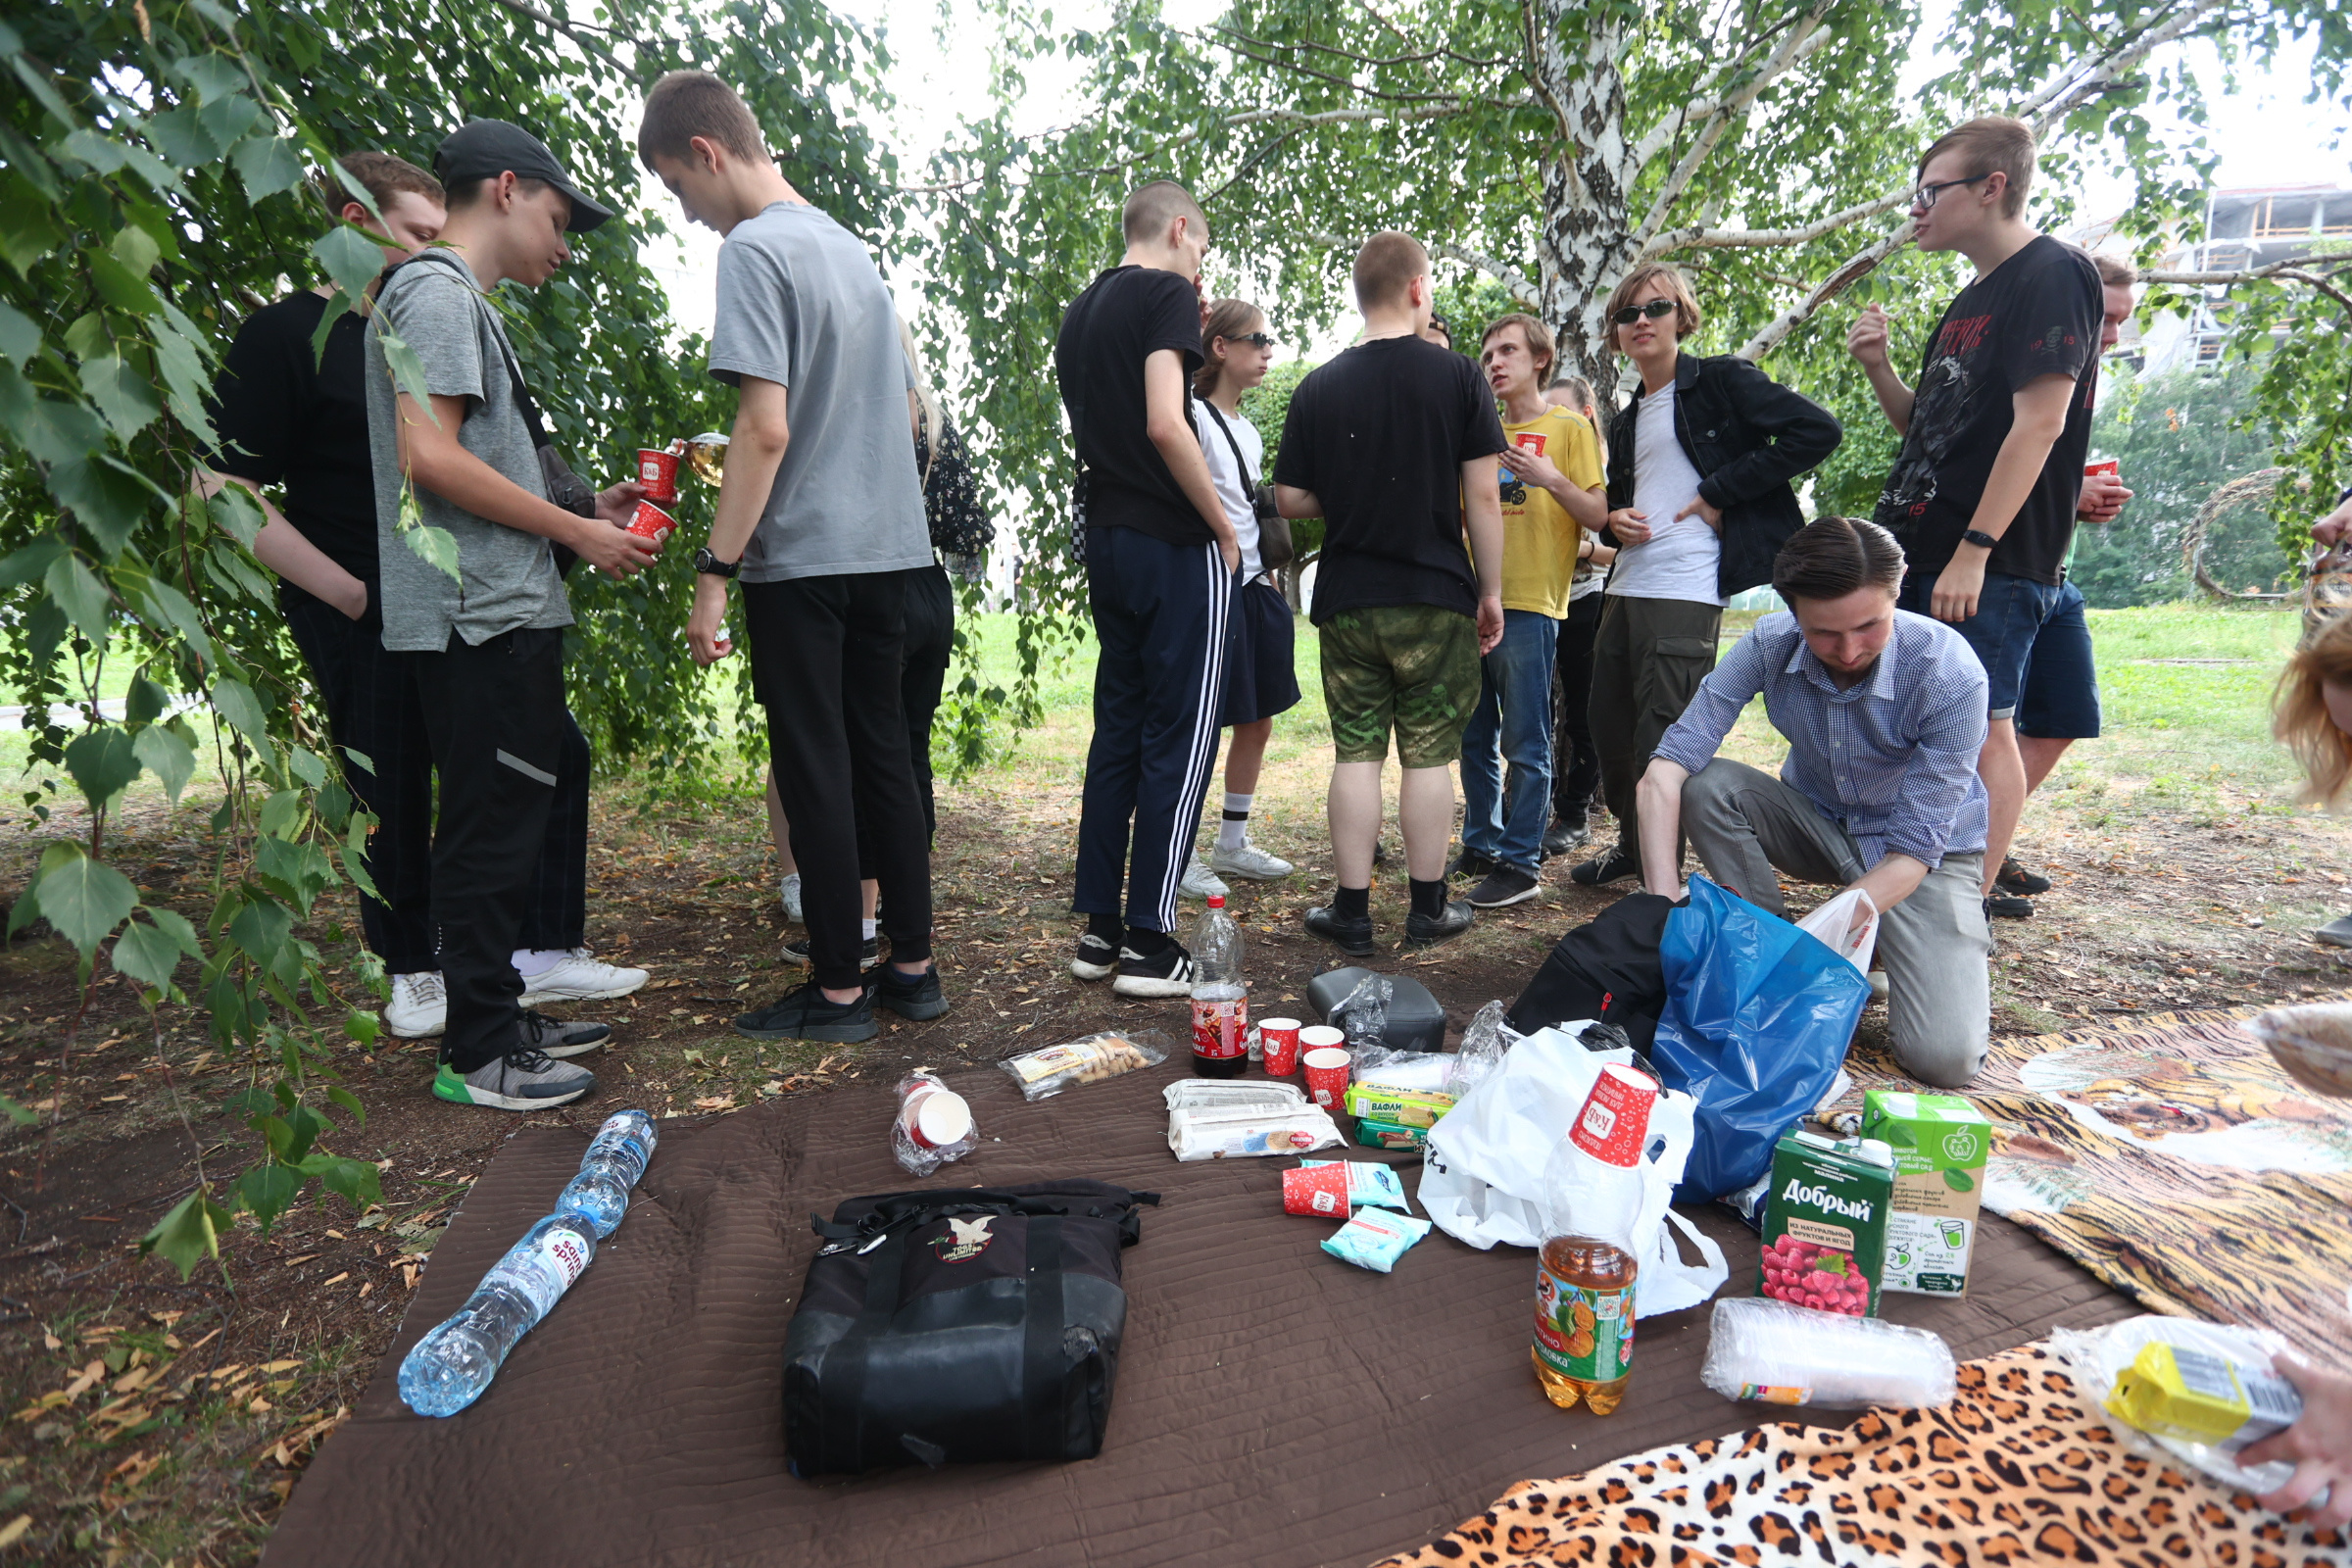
{"x": 1250, "y": 863}
{"x": 1199, "y": 882}
{"x": 579, "y": 977}
{"x": 792, "y": 899}
{"x": 419, "y": 1006}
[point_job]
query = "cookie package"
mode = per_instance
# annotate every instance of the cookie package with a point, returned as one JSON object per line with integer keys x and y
{"x": 1051, "y": 1069}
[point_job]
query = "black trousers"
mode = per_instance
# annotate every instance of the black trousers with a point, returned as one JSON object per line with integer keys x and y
{"x": 373, "y": 709}
{"x": 1575, "y": 760}
{"x": 827, "y": 656}
{"x": 495, "y": 714}
{"x": 930, "y": 646}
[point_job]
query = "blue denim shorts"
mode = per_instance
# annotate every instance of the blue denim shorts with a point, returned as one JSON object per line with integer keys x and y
{"x": 2060, "y": 700}
{"x": 2011, "y": 615}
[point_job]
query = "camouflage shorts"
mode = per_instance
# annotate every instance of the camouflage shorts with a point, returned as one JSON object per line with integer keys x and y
{"x": 1411, "y": 667}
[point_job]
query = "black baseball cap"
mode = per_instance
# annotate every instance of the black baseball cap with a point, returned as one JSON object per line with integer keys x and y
{"x": 484, "y": 149}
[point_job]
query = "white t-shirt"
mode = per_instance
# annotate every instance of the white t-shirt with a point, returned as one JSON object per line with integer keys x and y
{"x": 1232, "y": 488}
{"x": 1679, "y": 558}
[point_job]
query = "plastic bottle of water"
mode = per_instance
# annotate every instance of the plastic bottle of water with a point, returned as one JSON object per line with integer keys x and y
{"x": 450, "y": 1367}
{"x": 1220, "y": 999}
{"x": 599, "y": 1193}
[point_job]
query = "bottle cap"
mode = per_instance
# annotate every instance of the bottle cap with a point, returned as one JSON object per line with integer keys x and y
{"x": 1216, "y": 901}
{"x": 1877, "y": 1152}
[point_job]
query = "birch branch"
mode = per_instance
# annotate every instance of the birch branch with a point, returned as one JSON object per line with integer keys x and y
{"x": 1662, "y": 135}
{"x": 1700, "y": 237}
{"x": 1856, "y": 269}
{"x": 2296, "y": 271}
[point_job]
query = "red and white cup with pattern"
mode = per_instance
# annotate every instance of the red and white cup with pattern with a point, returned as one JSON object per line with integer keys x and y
{"x": 1615, "y": 1121}
{"x": 1317, "y": 1193}
{"x": 650, "y": 522}
{"x": 658, "y": 471}
{"x": 1279, "y": 1037}
{"x": 935, "y": 1118}
{"x": 1327, "y": 1065}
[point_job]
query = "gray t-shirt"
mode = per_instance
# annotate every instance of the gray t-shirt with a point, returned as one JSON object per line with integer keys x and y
{"x": 433, "y": 305}
{"x": 801, "y": 304}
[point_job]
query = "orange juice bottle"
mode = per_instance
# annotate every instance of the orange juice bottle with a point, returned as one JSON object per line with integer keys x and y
{"x": 1585, "y": 1274}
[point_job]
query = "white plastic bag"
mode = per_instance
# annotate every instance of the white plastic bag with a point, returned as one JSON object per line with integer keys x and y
{"x": 1481, "y": 1172}
{"x": 2099, "y": 1356}
{"x": 1831, "y": 922}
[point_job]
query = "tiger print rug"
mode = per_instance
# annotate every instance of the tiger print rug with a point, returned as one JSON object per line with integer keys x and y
{"x": 2017, "y": 1469}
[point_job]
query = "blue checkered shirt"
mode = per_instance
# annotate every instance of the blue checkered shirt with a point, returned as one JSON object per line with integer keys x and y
{"x": 1892, "y": 760}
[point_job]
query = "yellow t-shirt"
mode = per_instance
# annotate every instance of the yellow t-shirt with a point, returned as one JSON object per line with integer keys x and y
{"x": 1540, "y": 540}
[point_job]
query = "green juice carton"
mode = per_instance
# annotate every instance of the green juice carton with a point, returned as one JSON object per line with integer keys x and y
{"x": 1940, "y": 1142}
{"x": 1825, "y": 1224}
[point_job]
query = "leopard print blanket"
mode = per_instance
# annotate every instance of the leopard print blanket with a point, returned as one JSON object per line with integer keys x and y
{"x": 2018, "y": 1469}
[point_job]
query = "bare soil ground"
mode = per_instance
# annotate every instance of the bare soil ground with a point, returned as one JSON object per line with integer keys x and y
{"x": 144, "y": 1419}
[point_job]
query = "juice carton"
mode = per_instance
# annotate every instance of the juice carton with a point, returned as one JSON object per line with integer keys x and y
{"x": 1825, "y": 1224}
{"x": 1939, "y": 1144}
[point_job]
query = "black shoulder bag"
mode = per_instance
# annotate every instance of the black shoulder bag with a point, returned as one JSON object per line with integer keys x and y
{"x": 1274, "y": 547}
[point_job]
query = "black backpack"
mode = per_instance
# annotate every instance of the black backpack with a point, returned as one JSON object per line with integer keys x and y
{"x": 1607, "y": 969}
{"x": 960, "y": 1326}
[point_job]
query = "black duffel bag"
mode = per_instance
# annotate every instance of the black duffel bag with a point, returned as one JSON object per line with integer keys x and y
{"x": 960, "y": 1326}
{"x": 1607, "y": 969}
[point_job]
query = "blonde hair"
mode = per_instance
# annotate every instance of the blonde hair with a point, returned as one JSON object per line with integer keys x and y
{"x": 1670, "y": 280}
{"x": 1227, "y": 319}
{"x": 2299, "y": 715}
{"x": 934, "y": 421}
{"x": 1386, "y": 266}
{"x": 1992, "y": 144}
{"x": 1540, "y": 346}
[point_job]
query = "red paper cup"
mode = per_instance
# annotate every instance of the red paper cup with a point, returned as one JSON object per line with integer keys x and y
{"x": 1615, "y": 1120}
{"x": 652, "y": 522}
{"x": 1280, "y": 1039}
{"x": 935, "y": 1117}
{"x": 2103, "y": 465}
{"x": 658, "y": 471}
{"x": 1320, "y": 1192}
{"x": 1326, "y": 1073}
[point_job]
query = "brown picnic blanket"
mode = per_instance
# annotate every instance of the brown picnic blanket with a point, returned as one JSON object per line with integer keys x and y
{"x": 1274, "y": 1404}
{"x": 2019, "y": 1467}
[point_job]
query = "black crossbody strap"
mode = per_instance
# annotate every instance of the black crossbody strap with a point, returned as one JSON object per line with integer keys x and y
{"x": 842, "y": 1377}
{"x": 506, "y": 352}
{"x": 1041, "y": 1354}
{"x": 1249, "y": 482}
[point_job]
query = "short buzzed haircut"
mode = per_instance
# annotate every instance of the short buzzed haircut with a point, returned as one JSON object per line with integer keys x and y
{"x": 1388, "y": 263}
{"x": 2114, "y": 271}
{"x": 1990, "y": 144}
{"x": 383, "y": 176}
{"x": 1540, "y": 346}
{"x": 686, "y": 104}
{"x": 1834, "y": 557}
{"x": 1154, "y": 207}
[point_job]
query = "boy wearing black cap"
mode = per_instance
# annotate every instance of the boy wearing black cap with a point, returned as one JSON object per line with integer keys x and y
{"x": 485, "y": 650}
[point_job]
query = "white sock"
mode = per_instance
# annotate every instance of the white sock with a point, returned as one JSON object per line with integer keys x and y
{"x": 870, "y": 928}
{"x": 1234, "y": 831}
{"x": 529, "y": 961}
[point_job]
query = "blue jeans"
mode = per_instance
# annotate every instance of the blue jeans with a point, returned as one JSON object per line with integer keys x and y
{"x": 2011, "y": 613}
{"x": 1513, "y": 724}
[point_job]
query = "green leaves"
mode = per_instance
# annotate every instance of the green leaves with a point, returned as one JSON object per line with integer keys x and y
{"x": 351, "y": 257}
{"x": 150, "y": 953}
{"x": 102, "y": 761}
{"x": 437, "y": 546}
{"x": 83, "y": 899}
{"x": 164, "y": 754}
{"x": 190, "y": 1234}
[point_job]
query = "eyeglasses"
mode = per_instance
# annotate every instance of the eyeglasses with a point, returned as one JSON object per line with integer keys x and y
{"x": 1924, "y": 198}
{"x": 1261, "y": 340}
{"x": 1654, "y": 310}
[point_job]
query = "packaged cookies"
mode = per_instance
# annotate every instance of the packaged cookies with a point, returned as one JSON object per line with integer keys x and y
{"x": 1047, "y": 1072}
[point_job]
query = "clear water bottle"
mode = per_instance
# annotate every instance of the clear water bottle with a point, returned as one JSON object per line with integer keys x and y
{"x": 599, "y": 1193}
{"x": 1220, "y": 997}
{"x": 449, "y": 1368}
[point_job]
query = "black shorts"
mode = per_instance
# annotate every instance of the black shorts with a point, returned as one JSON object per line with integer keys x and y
{"x": 1261, "y": 680}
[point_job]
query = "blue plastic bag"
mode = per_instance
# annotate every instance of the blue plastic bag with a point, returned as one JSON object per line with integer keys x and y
{"x": 1758, "y": 1016}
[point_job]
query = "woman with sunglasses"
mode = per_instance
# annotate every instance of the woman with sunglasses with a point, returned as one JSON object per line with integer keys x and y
{"x": 1701, "y": 500}
{"x": 1236, "y": 352}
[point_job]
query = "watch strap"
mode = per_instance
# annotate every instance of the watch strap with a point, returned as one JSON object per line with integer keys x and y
{"x": 707, "y": 565}
{"x": 1980, "y": 538}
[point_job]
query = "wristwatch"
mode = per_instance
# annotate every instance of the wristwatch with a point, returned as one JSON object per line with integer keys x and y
{"x": 1975, "y": 536}
{"x": 707, "y": 565}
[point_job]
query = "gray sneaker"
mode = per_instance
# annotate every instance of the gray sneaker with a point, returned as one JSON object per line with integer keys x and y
{"x": 1199, "y": 882}
{"x": 553, "y": 1037}
{"x": 1249, "y": 862}
{"x": 519, "y": 1080}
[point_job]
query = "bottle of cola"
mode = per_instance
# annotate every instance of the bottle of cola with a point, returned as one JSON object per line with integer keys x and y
{"x": 1220, "y": 998}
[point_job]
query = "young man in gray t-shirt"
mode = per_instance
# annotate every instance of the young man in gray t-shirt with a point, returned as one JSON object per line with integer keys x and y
{"x": 486, "y": 648}
{"x": 821, "y": 514}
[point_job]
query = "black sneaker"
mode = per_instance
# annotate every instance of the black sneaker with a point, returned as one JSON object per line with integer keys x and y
{"x": 1351, "y": 936}
{"x": 1505, "y": 884}
{"x": 918, "y": 999}
{"x": 1602, "y": 869}
{"x": 1168, "y": 972}
{"x": 551, "y": 1037}
{"x": 1471, "y": 863}
{"x": 1380, "y": 852}
{"x": 805, "y": 1013}
{"x": 1096, "y": 960}
{"x": 1562, "y": 837}
{"x": 2015, "y": 878}
{"x": 2007, "y": 906}
{"x": 1420, "y": 930}
{"x": 798, "y": 951}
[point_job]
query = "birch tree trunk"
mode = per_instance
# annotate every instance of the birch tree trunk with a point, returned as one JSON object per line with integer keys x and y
{"x": 1586, "y": 218}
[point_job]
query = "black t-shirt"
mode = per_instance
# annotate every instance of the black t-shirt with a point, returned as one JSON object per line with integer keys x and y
{"x": 1125, "y": 317}
{"x": 1380, "y": 435}
{"x": 2037, "y": 314}
{"x": 287, "y": 417}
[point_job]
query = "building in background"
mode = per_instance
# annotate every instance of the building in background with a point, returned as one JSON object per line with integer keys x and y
{"x": 2255, "y": 226}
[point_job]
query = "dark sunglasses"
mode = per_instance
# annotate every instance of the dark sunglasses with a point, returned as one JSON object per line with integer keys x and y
{"x": 1654, "y": 310}
{"x": 1261, "y": 340}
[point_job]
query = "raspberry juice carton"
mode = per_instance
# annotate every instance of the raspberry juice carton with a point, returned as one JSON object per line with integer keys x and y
{"x": 1825, "y": 1224}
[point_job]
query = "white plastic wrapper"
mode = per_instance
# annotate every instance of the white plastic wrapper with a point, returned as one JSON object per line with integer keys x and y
{"x": 934, "y": 1126}
{"x": 1759, "y": 1348}
{"x": 1221, "y": 1094}
{"x": 1050, "y": 1069}
{"x": 2096, "y": 1357}
{"x": 1421, "y": 1070}
{"x": 1239, "y": 1132}
{"x": 1483, "y": 1045}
